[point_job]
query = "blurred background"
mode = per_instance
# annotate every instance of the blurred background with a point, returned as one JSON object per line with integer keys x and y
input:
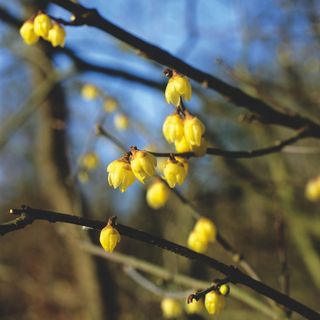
{"x": 48, "y": 116}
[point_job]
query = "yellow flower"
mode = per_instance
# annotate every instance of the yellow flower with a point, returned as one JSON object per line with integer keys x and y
{"x": 194, "y": 307}
{"x": 185, "y": 163}
{"x": 174, "y": 172}
{"x": 214, "y": 302}
{"x": 143, "y": 164}
{"x": 57, "y": 35}
{"x": 121, "y": 122}
{"x": 109, "y": 238}
{"x": 90, "y": 91}
{"x": 224, "y": 289}
{"x": 312, "y": 191}
{"x": 178, "y": 86}
{"x": 120, "y": 174}
{"x": 157, "y": 195}
{"x": 171, "y": 308}
{"x": 90, "y": 161}
{"x": 42, "y": 25}
{"x": 27, "y": 33}
{"x": 173, "y": 128}
{"x": 207, "y": 228}
{"x": 197, "y": 242}
{"x": 182, "y": 145}
{"x": 193, "y": 130}
{"x": 110, "y": 104}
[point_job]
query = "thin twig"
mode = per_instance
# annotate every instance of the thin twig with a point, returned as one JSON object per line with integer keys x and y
{"x": 235, "y": 275}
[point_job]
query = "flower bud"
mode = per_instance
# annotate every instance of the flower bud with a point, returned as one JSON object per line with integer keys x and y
{"x": 178, "y": 86}
{"x": 173, "y": 128}
{"x": 121, "y": 122}
{"x": 214, "y": 302}
{"x": 174, "y": 172}
{"x": 193, "y": 130}
{"x": 197, "y": 242}
{"x": 27, "y": 33}
{"x": 57, "y": 35}
{"x": 109, "y": 238}
{"x": 157, "y": 195}
{"x": 90, "y": 91}
{"x": 171, "y": 308}
{"x": 207, "y": 228}
{"x": 224, "y": 289}
{"x": 312, "y": 191}
{"x": 42, "y": 25}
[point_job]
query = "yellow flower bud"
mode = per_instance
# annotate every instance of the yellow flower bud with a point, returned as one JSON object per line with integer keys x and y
{"x": 182, "y": 145}
{"x": 42, "y": 25}
{"x": 193, "y": 130}
{"x": 120, "y": 174}
{"x": 171, "y": 308}
{"x": 90, "y": 91}
{"x": 90, "y": 161}
{"x": 121, "y": 122}
{"x": 174, "y": 172}
{"x": 173, "y": 128}
{"x": 207, "y": 228}
{"x": 312, "y": 191}
{"x": 110, "y": 104}
{"x": 27, "y": 33}
{"x": 224, "y": 289}
{"x": 194, "y": 307}
{"x": 197, "y": 242}
{"x": 214, "y": 302}
{"x": 109, "y": 238}
{"x": 57, "y": 35}
{"x": 157, "y": 195}
{"x": 143, "y": 164}
{"x": 178, "y": 86}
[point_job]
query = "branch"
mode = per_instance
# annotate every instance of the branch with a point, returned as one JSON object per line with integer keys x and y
{"x": 267, "y": 114}
{"x": 235, "y": 275}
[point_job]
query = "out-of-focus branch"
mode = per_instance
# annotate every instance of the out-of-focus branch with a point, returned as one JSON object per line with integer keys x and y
{"x": 266, "y": 113}
{"x": 235, "y": 275}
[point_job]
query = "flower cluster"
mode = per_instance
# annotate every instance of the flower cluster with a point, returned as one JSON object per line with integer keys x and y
{"x": 109, "y": 238}
{"x": 186, "y": 133}
{"x": 157, "y": 194}
{"x": 42, "y": 26}
{"x": 138, "y": 164}
{"x": 215, "y": 300}
{"x": 312, "y": 191}
{"x": 202, "y": 234}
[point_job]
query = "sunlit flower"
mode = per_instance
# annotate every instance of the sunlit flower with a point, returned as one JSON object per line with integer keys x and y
{"x": 42, "y": 25}
{"x": 143, "y": 164}
{"x": 224, "y": 289}
{"x": 27, "y": 33}
{"x": 120, "y": 174}
{"x": 194, "y": 307}
{"x": 89, "y": 161}
{"x": 171, "y": 308}
{"x": 57, "y": 35}
{"x": 193, "y": 130}
{"x": 157, "y": 195}
{"x": 207, "y": 228}
{"x": 90, "y": 91}
{"x": 109, "y": 238}
{"x": 312, "y": 191}
{"x": 214, "y": 302}
{"x": 197, "y": 242}
{"x": 110, "y": 104}
{"x": 121, "y": 122}
{"x": 173, "y": 128}
{"x": 174, "y": 172}
{"x": 178, "y": 86}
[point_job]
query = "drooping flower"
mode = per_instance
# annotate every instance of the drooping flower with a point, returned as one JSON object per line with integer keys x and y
{"x": 182, "y": 145}
{"x": 207, "y": 228}
{"x": 178, "y": 86}
{"x": 143, "y": 164}
{"x": 27, "y": 33}
{"x": 109, "y": 238}
{"x": 57, "y": 35}
{"x": 193, "y": 130}
{"x": 214, "y": 302}
{"x": 173, "y": 128}
{"x": 120, "y": 174}
{"x": 157, "y": 195}
{"x": 42, "y": 25}
{"x": 171, "y": 308}
{"x": 174, "y": 172}
{"x": 197, "y": 242}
